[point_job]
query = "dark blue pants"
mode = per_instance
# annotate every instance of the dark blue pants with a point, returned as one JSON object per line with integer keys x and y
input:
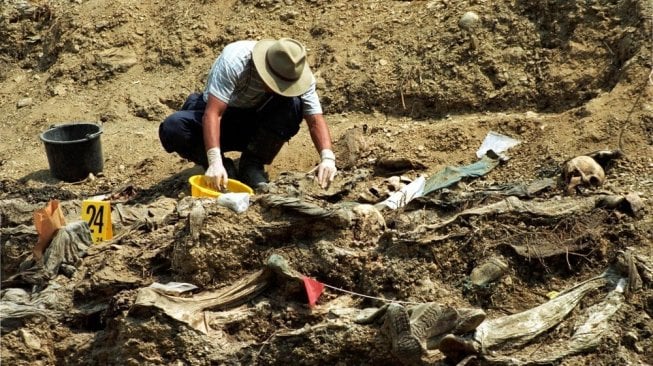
{"x": 182, "y": 133}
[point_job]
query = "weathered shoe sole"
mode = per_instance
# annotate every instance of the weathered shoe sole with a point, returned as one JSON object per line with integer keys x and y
{"x": 404, "y": 344}
{"x": 431, "y": 319}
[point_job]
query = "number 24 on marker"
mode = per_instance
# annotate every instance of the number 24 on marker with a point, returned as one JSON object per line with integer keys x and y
{"x": 98, "y": 216}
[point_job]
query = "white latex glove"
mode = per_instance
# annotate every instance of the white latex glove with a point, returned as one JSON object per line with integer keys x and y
{"x": 326, "y": 171}
{"x": 216, "y": 174}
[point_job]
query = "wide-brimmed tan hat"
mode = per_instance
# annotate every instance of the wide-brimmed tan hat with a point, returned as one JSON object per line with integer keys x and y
{"x": 282, "y": 66}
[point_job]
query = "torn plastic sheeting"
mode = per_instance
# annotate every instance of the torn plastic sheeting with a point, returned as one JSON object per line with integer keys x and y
{"x": 339, "y": 216}
{"x": 14, "y": 315}
{"x": 297, "y": 205}
{"x": 451, "y": 174}
{"x": 191, "y": 310}
{"x": 16, "y": 211}
{"x": 469, "y": 197}
{"x": 521, "y": 190}
{"x": 409, "y": 192}
{"x": 555, "y": 209}
{"x": 173, "y": 288}
{"x": 496, "y": 142}
{"x": 518, "y": 329}
{"x": 21, "y": 229}
{"x": 549, "y": 249}
{"x": 590, "y": 333}
{"x": 17, "y": 306}
{"x": 587, "y": 336}
{"x": 637, "y": 266}
{"x": 151, "y": 215}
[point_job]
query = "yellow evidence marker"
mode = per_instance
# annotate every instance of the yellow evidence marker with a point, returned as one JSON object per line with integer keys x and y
{"x": 98, "y": 216}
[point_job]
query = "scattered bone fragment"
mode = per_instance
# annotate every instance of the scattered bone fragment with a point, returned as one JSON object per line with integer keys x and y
{"x": 196, "y": 219}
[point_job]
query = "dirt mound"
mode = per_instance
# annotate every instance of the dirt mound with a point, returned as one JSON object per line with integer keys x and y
{"x": 410, "y": 88}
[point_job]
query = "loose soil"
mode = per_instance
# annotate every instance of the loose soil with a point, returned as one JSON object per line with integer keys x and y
{"x": 397, "y": 79}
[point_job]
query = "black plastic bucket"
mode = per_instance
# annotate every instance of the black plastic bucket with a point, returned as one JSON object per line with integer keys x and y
{"x": 73, "y": 150}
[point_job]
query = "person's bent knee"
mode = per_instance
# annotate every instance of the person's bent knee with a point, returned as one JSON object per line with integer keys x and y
{"x": 167, "y": 134}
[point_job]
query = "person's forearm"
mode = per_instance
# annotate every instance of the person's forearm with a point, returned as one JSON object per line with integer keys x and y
{"x": 211, "y": 130}
{"x": 319, "y": 131}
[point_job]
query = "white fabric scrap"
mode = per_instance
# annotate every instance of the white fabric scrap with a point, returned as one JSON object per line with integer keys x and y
{"x": 173, "y": 288}
{"x": 403, "y": 196}
{"x": 496, "y": 142}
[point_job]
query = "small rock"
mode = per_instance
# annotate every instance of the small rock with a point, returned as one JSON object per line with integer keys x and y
{"x": 630, "y": 338}
{"x": 25, "y": 102}
{"x": 343, "y": 312}
{"x": 365, "y": 314}
{"x": 30, "y": 340}
{"x": 59, "y": 90}
{"x": 468, "y": 21}
{"x": 490, "y": 271}
{"x": 116, "y": 59}
{"x": 552, "y": 294}
{"x": 635, "y": 202}
{"x": 507, "y": 281}
{"x": 395, "y": 183}
{"x": 101, "y": 25}
{"x": 289, "y": 17}
{"x": 383, "y": 62}
{"x": 354, "y": 64}
{"x": 320, "y": 83}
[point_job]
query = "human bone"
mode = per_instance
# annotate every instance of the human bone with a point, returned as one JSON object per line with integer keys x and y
{"x": 582, "y": 171}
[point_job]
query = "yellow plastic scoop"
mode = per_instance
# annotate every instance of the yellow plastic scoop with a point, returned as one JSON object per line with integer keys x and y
{"x": 199, "y": 188}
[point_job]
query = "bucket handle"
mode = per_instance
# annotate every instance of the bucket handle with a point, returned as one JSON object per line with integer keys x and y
{"x": 91, "y": 136}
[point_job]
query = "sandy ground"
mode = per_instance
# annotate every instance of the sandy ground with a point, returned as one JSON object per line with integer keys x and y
{"x": 398, "y": 80}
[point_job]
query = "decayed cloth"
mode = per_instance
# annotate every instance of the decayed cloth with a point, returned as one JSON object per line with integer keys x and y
{"x": 68, "y": 247}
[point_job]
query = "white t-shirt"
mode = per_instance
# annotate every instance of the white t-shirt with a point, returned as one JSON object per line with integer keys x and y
{"x": 233, "y": 79}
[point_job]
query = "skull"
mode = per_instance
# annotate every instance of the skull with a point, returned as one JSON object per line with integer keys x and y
{"x": 368, "y": 222}
{"x": 582, "y": 171}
